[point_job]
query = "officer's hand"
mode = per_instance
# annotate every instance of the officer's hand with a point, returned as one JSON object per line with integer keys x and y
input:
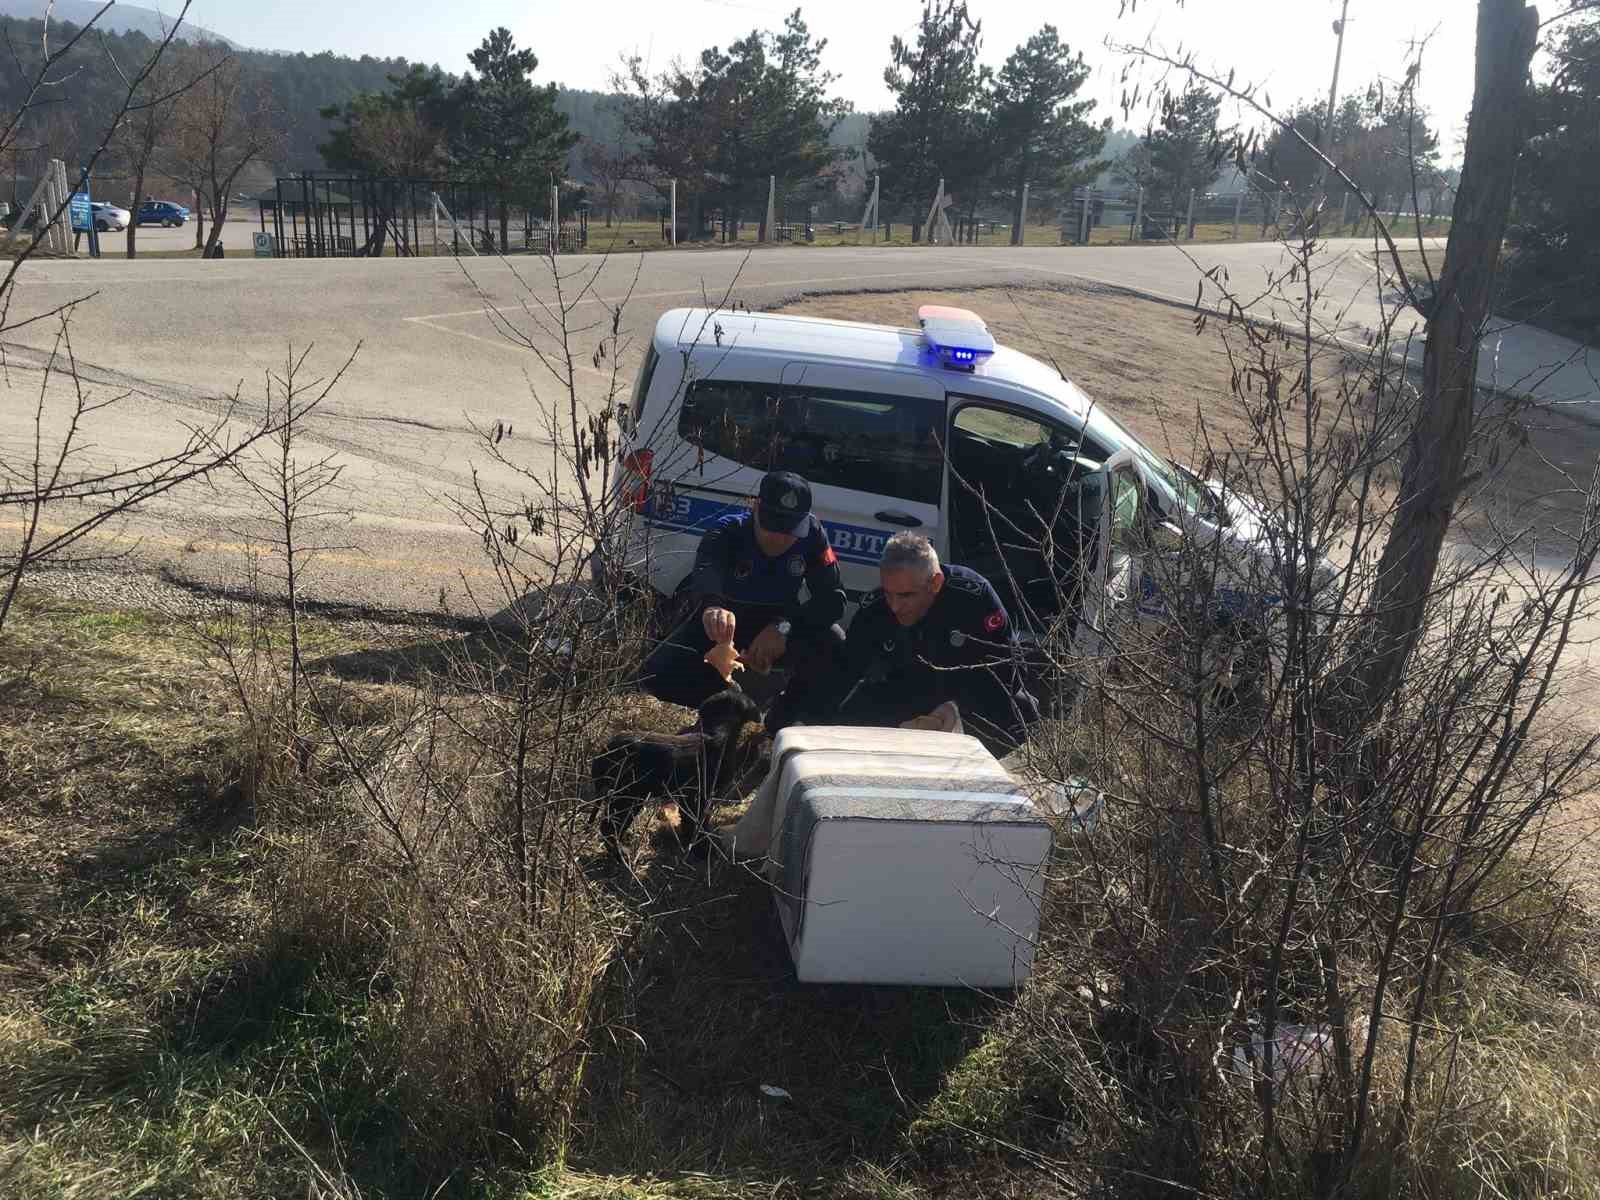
{"x": 944, "y": 719}
{"x": 768, "y": 648}
{"x": 719, "y": 625}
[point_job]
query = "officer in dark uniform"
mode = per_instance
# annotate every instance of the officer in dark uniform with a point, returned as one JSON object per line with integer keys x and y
{"x": 746, "y": 588}
{"x": 930, "y": 635}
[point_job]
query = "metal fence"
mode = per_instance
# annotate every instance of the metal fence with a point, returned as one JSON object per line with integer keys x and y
{"x": 1095, "y": 216}
{"x": 348, "y": 216}
{"x": 323, "y": 216}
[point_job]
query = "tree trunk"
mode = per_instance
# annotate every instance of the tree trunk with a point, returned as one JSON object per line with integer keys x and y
{"x": 1016, "y": 205}
{"x": 219, "y": 214}
{"x": 199, "y": 222}
{"x": 505, "y": 226}
{"x": 1436, "y": 462}
{"x": 133, "y": 215}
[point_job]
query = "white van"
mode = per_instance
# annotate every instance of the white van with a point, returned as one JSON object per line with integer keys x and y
{"x": 900, "y": 429}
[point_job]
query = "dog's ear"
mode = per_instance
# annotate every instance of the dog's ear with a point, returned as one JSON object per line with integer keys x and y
{"x": 728, "y": 708}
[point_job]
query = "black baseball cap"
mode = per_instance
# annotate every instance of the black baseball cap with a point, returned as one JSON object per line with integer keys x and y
{"x": 784, "y": 503}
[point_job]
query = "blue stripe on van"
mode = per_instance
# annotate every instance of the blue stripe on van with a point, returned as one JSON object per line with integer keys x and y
{"x": 1153, "y": 602}
{"x": 685, "y": 513}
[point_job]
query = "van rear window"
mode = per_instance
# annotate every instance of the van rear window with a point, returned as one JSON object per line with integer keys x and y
{"x": 641, "y": 386}
{"x": 866, "y": 441}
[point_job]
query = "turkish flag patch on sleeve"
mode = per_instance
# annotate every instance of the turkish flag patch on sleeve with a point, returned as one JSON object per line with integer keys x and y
{"x": 995, "y": 621}
{"x": 827, "y": 558}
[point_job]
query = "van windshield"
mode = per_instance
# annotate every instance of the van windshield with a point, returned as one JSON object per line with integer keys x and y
{"x": 1176, "y": 491}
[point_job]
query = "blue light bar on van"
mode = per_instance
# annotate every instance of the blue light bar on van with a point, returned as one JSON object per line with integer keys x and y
{"x": 958, "y": 337}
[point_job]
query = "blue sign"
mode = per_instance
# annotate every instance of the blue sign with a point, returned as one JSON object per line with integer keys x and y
{"x": 82, "y": 215}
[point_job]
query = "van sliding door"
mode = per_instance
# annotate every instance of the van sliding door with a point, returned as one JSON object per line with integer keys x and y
{"x": 870, "y": 444}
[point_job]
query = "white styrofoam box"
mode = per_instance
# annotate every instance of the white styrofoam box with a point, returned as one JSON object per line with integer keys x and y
{"x": 904, "y": 857}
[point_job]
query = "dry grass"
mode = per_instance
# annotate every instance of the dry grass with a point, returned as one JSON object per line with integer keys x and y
{"x": 200, "y": 996}
{"x": 204, "y": 1005}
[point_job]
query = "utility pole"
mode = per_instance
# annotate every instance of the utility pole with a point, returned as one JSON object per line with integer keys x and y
{"x": 1333, "y": 93}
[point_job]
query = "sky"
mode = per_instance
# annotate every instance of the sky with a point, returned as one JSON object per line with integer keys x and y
{"x": 1286, "y": 45}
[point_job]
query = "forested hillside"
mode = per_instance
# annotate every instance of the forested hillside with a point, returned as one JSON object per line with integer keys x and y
{"x": 121, "y": 18}
{"x": 301, "y": 86}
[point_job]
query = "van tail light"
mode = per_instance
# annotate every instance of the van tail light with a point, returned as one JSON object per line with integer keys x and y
{"x": 637, "y": 465}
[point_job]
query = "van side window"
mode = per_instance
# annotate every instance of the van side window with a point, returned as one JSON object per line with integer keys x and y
{"x": 744, "y": 422}
{"x": 866, "y": 441}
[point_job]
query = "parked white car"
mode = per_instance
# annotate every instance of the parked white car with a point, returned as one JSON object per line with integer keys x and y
{"x": 108, "y": 218}
{"x": 906, "y": 429}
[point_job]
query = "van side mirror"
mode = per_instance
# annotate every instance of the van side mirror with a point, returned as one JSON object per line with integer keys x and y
{"x": 1217, "y": 506}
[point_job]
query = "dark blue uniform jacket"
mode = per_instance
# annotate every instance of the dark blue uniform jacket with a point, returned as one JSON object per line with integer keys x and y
{"x": 730, "y": 571}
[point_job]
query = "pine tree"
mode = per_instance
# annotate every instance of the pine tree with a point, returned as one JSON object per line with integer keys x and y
{"x": 1185, "y": 150}
{"x": 723, "y": 126}
{"x": 1040, "y": 133}
{"x": 398, "y": 132}
{"x": 938, "y": 128}
{"x": 1554, "y": 236}
{"x": 509, "y": 136}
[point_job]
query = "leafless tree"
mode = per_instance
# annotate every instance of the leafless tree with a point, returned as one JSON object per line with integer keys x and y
{"x": 1435, "y": 472}
{"x": 61, "y": 493}
{"x": 612, "y": 166}
{"x": 148, "y": 127}
{"x": 300, "y": 496}
{"x": 398, "y": 142}
{"x": 222, "y": 125}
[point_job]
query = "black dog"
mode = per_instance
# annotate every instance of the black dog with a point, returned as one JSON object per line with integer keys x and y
{"x": 688, "y": 768}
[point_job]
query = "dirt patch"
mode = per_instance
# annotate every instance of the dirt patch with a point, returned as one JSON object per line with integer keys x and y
{"x": 1145, "y": 362}
{"x": 1141, "y": 359}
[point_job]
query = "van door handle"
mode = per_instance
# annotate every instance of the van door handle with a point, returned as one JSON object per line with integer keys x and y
{"x": 893, "y": 517}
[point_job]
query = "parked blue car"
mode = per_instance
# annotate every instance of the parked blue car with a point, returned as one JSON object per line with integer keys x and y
{"x": 163, "y": 213}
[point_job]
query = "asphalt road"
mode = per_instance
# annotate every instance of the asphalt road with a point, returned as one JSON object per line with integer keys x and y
{"x": 172, "y": 336}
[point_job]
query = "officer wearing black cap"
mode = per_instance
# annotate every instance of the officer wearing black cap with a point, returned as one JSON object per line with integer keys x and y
{"x": 746, "y": 589}
{"x": 931, "y": 635}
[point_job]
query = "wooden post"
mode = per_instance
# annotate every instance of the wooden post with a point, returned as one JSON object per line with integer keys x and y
{"x": 64, "y": 222}
{"x": 1020, "y": 237}
{"x": 1344, "y": 211}
{"x": 674, "y": 231}
{"x": 35, "y": 204}
{"x": 934, "y": 213}
{"x": 869, "y": 215}
{"x": 1083, "y": 218}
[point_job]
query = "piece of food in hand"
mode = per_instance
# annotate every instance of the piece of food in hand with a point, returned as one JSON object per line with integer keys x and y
{"x": 944, "y": 719}
{"x": 724, "y": 660}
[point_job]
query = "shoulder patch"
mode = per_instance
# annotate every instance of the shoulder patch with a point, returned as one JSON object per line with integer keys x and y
{"x": 972, "y": 584}
{"x": 875, "y": 596}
